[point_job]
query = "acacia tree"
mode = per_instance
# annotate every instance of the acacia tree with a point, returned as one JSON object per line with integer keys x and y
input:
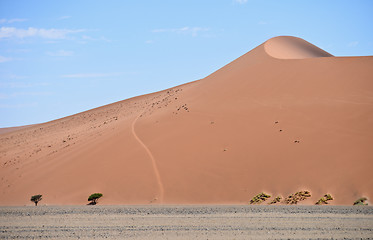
{"x": 93, "y": 198}
{"x": 36, "y": 199}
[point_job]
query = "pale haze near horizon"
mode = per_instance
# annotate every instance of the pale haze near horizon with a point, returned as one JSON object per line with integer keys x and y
{"x": 58, "y": 59}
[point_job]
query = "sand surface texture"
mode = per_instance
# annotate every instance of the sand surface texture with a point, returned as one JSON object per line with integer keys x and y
{"x": 284, "y": 117}
{"x": 187, "y": 222}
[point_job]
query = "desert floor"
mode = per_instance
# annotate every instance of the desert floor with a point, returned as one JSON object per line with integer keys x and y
{"x": 186, "y": 222}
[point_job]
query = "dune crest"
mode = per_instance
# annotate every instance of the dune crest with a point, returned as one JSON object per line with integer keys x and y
{"x": 286, "y": 47}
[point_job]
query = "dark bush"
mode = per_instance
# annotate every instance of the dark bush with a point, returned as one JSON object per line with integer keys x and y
{"x": 325, "y": 199}
{"x": 361, "y": 201}
{"x": 93, "y": 198}
{"x": 36, "y": 199}
{"x": 259, "y": 198}
{"x": 297, "y": 197}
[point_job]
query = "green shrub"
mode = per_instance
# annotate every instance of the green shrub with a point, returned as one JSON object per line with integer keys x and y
{"x": 325, "y": 199}
{"x": 297, "y": 197}
{"x": 276, "y": 200}
{"x": 259, "y": 198}
{"x": 93, "y": 198}
{"x": 361, "y": 201}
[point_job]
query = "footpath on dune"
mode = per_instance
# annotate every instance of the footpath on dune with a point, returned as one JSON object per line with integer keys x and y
{"x": 152, "y": 159}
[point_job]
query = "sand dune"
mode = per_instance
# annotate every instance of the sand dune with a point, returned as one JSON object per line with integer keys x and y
{"x": 284, "y": 117}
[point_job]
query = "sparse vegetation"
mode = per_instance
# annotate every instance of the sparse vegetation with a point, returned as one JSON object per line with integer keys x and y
{"x": 361, "y": 201}
{"x": 324, "y": 200}
{"x": 297, "y": 197}
{"x": 259, "y": 198}
{"x": 276, "y": 200}
{"x": 93, "y": 198}
{"x": 36, "y": 199}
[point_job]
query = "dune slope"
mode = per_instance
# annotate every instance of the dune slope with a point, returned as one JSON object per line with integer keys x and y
{"x": 284, "y": 117}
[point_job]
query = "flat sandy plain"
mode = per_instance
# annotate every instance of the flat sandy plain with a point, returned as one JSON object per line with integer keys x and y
{"x": 186, "y": 222}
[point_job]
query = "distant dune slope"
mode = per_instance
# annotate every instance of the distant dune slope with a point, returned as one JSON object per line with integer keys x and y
{"x": 284, "y": 117}
{"x": 12, "y": 129}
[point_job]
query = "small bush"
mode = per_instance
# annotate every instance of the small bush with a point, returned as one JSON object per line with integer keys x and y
{"x": 297, "y": 197}
{"x": 93, "y": 198}
{"x": 259, "y": 198}
{"x": 276, "y": 200}
{"x": 361, "y": 201}
{"x": 36, "y": 199}
{"x": 325, "y": 199}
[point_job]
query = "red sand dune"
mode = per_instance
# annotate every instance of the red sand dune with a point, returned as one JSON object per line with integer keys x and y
{"x": 219, "y": 140}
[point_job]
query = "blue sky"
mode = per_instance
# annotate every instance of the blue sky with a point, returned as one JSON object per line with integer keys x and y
{"x": 58, "y": 58}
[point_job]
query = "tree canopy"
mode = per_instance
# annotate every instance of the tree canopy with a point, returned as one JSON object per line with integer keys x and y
{"x": 94, "y": 197}
{"x": 36, "y": 199}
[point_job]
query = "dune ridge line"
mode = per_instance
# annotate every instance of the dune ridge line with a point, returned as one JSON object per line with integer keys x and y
{"x": 154, "y": 163}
